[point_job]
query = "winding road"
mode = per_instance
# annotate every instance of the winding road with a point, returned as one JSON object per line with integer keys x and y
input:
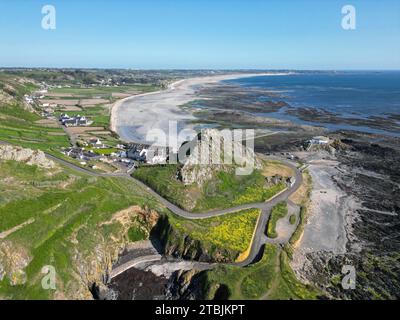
{"x": 259, "y": 238}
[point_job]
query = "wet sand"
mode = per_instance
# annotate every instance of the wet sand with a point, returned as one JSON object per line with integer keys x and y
{"x": 330, "y": 215}
{"x": 134, "y": 117}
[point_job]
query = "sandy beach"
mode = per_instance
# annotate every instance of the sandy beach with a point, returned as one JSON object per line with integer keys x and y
{"x": 331, "y": 214}
{"x": 132, "y": 118}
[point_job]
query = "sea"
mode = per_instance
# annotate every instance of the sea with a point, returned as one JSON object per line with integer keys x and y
{"x": 370, "y": 95}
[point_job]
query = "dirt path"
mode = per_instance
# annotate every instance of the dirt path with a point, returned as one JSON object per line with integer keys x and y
{"x": 276, "y": 281}
{"x": 6, "y": 233}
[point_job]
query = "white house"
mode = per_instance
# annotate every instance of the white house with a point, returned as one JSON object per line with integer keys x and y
{"x": 96, "y": 142}
{"x": 319, "y": 140}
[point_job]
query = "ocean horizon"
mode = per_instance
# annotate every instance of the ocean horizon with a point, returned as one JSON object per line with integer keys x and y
{"x": 355, "y": 97}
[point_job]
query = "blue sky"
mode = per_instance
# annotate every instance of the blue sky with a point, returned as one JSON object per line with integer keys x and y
{"x": 146, "y": 34}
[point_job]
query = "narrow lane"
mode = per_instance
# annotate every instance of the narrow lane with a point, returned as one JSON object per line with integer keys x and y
{"x": 265, "y": 207}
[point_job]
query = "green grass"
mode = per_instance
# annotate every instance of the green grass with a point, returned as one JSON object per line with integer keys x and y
{"x": 19, "y": 127}
{"x": 228, "y": 189}
{"x": 104, "y": 92}
{"x": 232, "y": 232}
{"x": 288, "y": 287}
{"x": 100, "y": 115}
{"x": 69, "y": 211}
{"x": 244, "y": 283}
{"x": 303, "y": 211}
{"x": 224, "y": 191}
{"x": 292, "y": 219}
{"x": 136, "y": 234}
{"x": 163, "y": 180}
{"x": 277, "y": 212}
{"x": 270, "y": 278}
{"x": 302, "y": 221}
{"x": 105, "y": 151}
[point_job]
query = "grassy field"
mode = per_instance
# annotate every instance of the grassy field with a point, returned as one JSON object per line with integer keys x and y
{"x": 63, "y": 219}
{"x": 18, "y": 126}
{"x": 105, "y": 151}
{"x": 163, "y": 180}
{"x": 231, "y": 232}
{"x": 226, "y": 190}
{"x": 278, "y": 212}
{"x": 270, "y": 278}
{"x": 229, "y": 189}
{"x": 99, "y": 113}
{"x": 103, "y": 92}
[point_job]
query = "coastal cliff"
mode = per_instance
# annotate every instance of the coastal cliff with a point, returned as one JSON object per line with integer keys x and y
{"x": 176, "y": 243}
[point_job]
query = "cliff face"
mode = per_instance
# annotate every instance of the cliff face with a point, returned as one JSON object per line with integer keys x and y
{"x": 92, "y": 265}
{"x": 214, "y": 151}
{"x": 186, "y": 285}
{"x": 13, "y": 260}
{"x": 178, "y": 244}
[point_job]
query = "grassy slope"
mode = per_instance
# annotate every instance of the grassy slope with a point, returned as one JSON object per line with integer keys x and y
{"x": 164, "y": 181}
{"x": 233, "y": 232}
{"x": 271, "y": 278}
{"x": 18, "y": 126}
{"x": 60, "y": 210}
{"x": 225, "y": 191}
{"x": 103, "y": 92}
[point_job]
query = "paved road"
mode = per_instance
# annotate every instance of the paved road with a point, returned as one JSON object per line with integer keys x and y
{"x": 133, "y": 263}
{"x": 265, "y": 207}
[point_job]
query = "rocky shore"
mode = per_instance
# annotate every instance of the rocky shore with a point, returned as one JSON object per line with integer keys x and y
{"x": 368, "y": 176}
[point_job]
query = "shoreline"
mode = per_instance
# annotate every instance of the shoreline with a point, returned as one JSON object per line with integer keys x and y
{"x": 170, "y": 94}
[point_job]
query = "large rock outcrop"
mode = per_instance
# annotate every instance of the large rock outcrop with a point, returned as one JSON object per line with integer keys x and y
{"x": 92, "y": 265}
{"x": 13, "y": 260}
{"x": 212, "y": 151}
{"x": 28, "y": 156}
